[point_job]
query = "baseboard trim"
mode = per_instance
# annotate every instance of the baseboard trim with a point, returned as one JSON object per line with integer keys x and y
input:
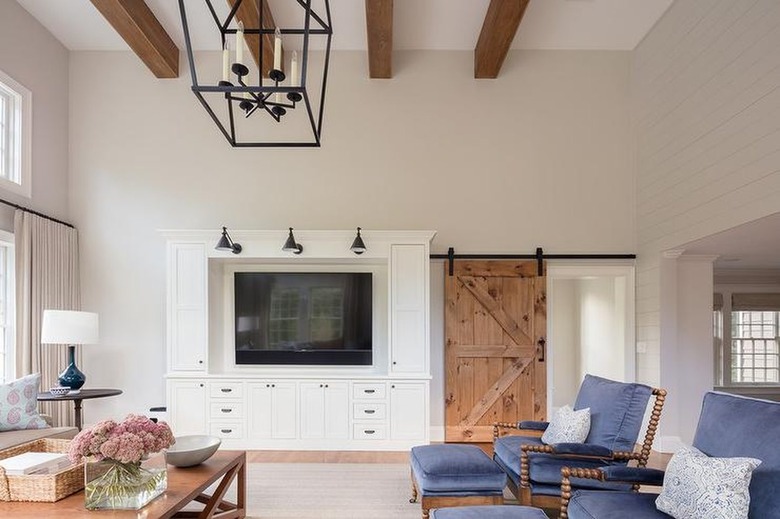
{"x": 668, "y": 444}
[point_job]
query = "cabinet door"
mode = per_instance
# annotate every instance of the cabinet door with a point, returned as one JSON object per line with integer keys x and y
{"x": 285, "y": 411}
{"x": 187, "y": 407}
{"x": 187, "y": 307}
{"x": 408, "y": 330}
{"x": 312, "y": 410}
{"x": 260, "y": 410}
{"x": 408, "y": 414}
{"x": 336, "y": 397}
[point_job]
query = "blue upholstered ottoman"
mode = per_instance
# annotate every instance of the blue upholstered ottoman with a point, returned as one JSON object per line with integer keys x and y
{"x": 489, "y": 512}
{"x": 455, "y": 475}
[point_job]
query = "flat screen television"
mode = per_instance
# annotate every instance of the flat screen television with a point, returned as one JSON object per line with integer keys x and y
{"x": 303, "y": 318}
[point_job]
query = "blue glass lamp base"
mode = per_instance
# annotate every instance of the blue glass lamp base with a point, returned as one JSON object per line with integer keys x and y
{"x": 72, "y": 377}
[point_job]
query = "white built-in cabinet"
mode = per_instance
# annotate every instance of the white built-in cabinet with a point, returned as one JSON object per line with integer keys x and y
{"x": 407, "y": 416}
{"x": 408, "y": 309}
{"x": 324, "y": 410}
{"x": 272, "y": 410}
{"x": 384, "y": 406}
{"x": 189, "y": 414}
{"x": 187, "y": 307}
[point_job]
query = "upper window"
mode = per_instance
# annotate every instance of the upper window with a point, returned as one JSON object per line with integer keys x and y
{"x": 15, "y": 136}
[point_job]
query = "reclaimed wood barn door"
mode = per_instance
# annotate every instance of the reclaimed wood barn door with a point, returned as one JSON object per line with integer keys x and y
{"x": 496, "y": 329}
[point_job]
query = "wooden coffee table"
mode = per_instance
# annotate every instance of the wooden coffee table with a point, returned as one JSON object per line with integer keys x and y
{"x": 185, "y": 486}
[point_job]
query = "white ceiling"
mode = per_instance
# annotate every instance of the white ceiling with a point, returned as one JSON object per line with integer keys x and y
{"x": 418, "y": 24}
{"x": 754, "y": 245}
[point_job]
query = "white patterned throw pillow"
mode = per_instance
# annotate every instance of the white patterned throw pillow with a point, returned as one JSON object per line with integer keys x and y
{"x": 568, "y": 426}
{"x": 697, "y": 486}
{"x": 19, "y": 404}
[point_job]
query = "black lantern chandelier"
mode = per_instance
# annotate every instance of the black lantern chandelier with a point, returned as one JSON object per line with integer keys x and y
{"x": 275, "y": 93}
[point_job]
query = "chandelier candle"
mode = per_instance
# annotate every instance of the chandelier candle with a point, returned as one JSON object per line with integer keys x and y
{"x": 240, "y": 44}
{"x": 278, "y": 49}
{"x": 294, "y": 70}
{"x": 226, "y": 63}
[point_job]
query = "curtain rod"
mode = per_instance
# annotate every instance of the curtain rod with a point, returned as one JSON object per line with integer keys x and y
{"x": 36, "y": 213}
{"x": 539, "y": 256}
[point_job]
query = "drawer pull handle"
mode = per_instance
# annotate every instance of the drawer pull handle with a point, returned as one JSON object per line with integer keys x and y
{"x": 369, "y": 431}
{"x": 227, "y": 410}
{"x": 227, "y": 431}
{"x": 369, "y": 391}
{"x": 226, "y": 390}
{"x": 369, "y": 411}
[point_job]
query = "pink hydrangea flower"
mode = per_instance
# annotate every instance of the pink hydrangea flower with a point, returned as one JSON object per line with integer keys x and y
{"x": 126, "y": 442}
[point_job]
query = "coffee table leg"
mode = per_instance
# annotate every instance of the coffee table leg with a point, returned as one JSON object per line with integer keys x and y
{"x": 241, "y": 490}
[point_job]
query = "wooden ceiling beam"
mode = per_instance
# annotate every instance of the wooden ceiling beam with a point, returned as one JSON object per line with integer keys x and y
{"x": 138, "y": 26}
{"x": 379, "y": 25}
{"x": 249, "y": 14}
{"x": 498, "y": 30}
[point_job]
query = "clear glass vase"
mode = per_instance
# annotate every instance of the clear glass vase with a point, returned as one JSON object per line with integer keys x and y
{"x": 111, "y": 485}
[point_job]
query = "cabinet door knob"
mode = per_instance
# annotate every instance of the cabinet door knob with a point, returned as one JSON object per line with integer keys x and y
{"x": 268, "y": 385}
{"x": 320, "y": 385}
{"x": 326, "y": 385}
{"x": 392, "y": 387}
{"x": 273, "y": 385}
{"x": 201, "y": 385}
{"x": 200, "y": 362}
{"x": 394, "y": 363}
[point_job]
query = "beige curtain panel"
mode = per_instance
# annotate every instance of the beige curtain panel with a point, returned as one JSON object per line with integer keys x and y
{"x": 47, "y": 277}
{"x": 755, "y": 302}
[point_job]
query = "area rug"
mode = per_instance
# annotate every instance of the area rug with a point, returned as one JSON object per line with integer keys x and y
{"x": 329, "y": 491}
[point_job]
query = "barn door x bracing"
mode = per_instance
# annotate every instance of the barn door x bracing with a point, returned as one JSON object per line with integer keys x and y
{"x": 496, "y": 320}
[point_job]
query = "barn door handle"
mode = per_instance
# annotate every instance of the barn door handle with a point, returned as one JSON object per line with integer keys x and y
{"x": 542, "y": 343}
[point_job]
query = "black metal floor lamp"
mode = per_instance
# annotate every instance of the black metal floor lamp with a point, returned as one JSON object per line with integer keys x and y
{"x": 275, "y": 93}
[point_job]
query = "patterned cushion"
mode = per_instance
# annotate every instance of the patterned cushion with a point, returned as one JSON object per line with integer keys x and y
{"x": 19, "y": 405}
{"x": 568, "y": 426}
{"x": 697, "y": 486}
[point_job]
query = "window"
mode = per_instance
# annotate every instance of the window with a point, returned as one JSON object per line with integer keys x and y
{"x": 283, "y": 326}
{"x": 15, "y": 136}
{"x": 6, "y": 307}
{"x": 746, "y": 331}
{"x": 327, "y": 314}
{"x": 754, "y": 351}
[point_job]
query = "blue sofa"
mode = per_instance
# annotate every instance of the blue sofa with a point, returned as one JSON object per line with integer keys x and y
{"x": 729, "y": 426}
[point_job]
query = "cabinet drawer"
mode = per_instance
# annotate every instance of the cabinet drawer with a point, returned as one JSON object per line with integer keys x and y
{"x": 370, "y": 411}
{"x": 369, "y": 391}
{"x": 227, "y": 410}
{"x": 227, "y": 430}
{"x": 364, "y": 431}
{"x": 226, "y": 390}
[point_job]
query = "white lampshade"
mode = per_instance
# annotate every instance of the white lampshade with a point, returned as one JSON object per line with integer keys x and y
{"x": 68, "y": 327}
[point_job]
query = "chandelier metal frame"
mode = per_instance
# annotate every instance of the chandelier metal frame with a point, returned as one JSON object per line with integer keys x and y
{"x": 249, "y": 99}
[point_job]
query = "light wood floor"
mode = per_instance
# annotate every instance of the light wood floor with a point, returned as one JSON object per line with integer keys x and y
{"x": 657, "y": 460}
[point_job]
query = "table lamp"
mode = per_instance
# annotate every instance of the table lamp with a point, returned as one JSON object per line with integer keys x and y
{"x": 70, "y": 328}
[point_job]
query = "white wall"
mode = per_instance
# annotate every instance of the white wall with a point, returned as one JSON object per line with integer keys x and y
{"x": 34, "y": 58}
{"x": 602, "y": 341}
{"x": 564, "y": 340}
{"x": 538, "y": 157}
{"x": 706, "y": 118}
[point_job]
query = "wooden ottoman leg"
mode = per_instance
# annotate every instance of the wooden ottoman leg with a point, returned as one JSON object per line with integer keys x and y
{"x": 414, "y": 489}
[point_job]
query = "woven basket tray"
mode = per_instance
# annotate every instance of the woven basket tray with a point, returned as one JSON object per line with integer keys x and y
{"x": 43, "y": 487}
